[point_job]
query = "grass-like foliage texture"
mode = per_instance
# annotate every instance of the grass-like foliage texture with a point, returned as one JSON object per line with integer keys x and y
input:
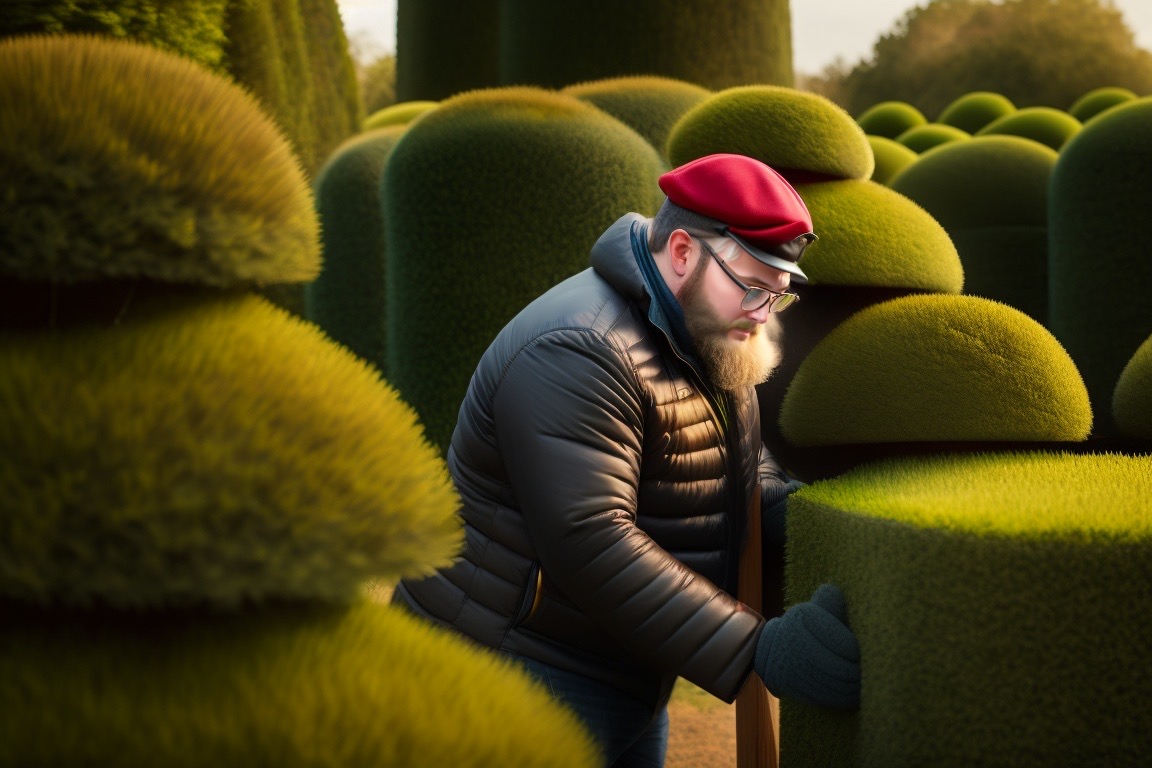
{"x": 349, "y": 298}
{"x": 398, "y": 114}
{"x": 890, "y": 118}
{"x": 936, "y": 368}
{"x": 489, "y": 200}
{"x": 208, "y": 450}
{"x": 798, "y": 133}
{"x": 118, "y": 160}
{"x": 974, "y": 110}
{"x": 649, "y": 105}
{"x": 872, "y": 236}
{"x": 1132, "y": 400}
{"x": 1047, "y": 125}
{"x": 1000, "y": 602}
{"x": 1099, "y": 99}
{"x": 1100, "y": 185}
{"x": 921, "y": 138}
{"x": 991, "y": 195}
{"x": 891, "y": 158}
{"x": 285, "y": 686}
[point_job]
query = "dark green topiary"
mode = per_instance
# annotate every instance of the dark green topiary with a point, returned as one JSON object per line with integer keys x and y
{"x": 991, "y": 195}
{"x": 648, "y": 105}
{"x": 1051, "y": 127}
{"x": 922, "y": 138}
{"x": 349, "y": 299}
{"x": 191, "y": 28}
{"x": 802, "y": 135}
{"x": 398, "y": 114}
{"x": 445, "y": 47}
{"x": 1097, "y": 100}
{"x": 489, "y": 200}
{"x": 974, "y": 110}
{"x": 1099, "y": 269}
{"x": 936, "y": 368}
{"x": 891, "y": 158}
{"x": 99, "y": 183}
{"x": 890, "y": 118}
{"x": 1000, "y": 602}
{"x": 1132, "y": 400}
{"x": 715, "y": 45}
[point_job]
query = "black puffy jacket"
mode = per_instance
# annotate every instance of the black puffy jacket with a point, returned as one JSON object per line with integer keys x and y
{"x": 603, "y": 500}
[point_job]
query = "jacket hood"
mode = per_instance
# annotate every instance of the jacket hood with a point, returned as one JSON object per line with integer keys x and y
{"x": 614, "y": 260}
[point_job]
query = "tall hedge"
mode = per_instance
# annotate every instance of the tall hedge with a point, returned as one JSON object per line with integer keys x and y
{"x": 445, "y": 47}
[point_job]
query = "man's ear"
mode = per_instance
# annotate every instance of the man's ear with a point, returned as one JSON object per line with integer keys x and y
{"x": 680, "y": 254}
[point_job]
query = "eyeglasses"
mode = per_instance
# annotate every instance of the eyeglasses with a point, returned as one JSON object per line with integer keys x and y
{"x": 755, "y": 297}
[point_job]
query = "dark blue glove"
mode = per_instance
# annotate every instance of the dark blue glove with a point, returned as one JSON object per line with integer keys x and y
{"x": 810, "y": 655}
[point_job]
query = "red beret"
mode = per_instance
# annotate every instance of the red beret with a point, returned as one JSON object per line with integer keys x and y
{"x": 759, "y": 208}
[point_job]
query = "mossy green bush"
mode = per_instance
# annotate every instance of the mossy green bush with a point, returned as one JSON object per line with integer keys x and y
{"x": 444, "y": 47}
{"x": 98, "y": 182}
{"x": 890, "y": 118}
{"x": 191, "y": 28}
{"x": 715, "y": 45}
{"x": 1099, "y": 99}
{"x": 802, "y": 135}
{"x": 921, "y": 138}
{"x": 648, "y": 105}
{"x": 936, "y": 368}
{"x": 974, "y": 110}
{"x": 398, "y": 114}
{"x": 1047, "y": 125}
{"x": 1000, "y": 603}
{"x": 302, "y": 686}
{"x": 1099, "y": 270}
{"x": 208, "y": 449}
{"x": 489, "y": 200}
{"x": 991, "y": 195}
{"x": 349, "y": 299}
{"x": 1132, "y": 399}
{"x": 891, "y": 158}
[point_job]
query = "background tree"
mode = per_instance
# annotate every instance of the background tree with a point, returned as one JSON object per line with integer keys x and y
{"x": 1035, "y": 52}
{"x": 378, "y": 83}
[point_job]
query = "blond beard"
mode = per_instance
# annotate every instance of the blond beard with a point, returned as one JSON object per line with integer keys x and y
{"x": 730, "y": 364}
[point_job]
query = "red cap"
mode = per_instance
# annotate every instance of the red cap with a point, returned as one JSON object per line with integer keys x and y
{"x": 759, "y": 208}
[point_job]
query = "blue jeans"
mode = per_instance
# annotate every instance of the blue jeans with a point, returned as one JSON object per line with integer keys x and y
{"x": 629, "y": 733}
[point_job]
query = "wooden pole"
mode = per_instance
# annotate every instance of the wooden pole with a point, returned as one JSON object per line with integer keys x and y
{"x": 757, "y": 742}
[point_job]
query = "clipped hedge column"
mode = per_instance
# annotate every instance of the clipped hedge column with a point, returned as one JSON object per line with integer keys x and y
{"x": 991, "y": 195}
{"x": 489, "y": 200}
{"x": 1099, "y": 270}
{"x": 1000, "y": 602}
{"x": 445, "y": 47}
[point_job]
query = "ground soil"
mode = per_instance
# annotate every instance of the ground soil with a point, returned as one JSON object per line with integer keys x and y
{"x": 702, "y": 732}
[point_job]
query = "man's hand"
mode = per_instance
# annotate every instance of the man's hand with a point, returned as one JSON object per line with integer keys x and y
{"x": 809, "y": 654}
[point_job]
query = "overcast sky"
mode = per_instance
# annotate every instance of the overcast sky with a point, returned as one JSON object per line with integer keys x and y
{"x": 822, "y": 30}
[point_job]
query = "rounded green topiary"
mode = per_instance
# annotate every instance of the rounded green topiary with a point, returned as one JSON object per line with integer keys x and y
{"x": 211, "y": 450}
{"x": 489, "y": 200}
{"x": 922, "y": 138}
{"x": 398, "y": 114}
{"x": 974, "y": 110}
{"x": 1049, "y": 126}
{"x": 1132, "y": 399}
{"x": 648, "y": 105}
{"x": 890, "y": 118}
{"x": 1099, "y": 270}
{"x": 988, "y": 593}
{"x": 991, "y": 195}
{"x": 1097, "y": 100}
{"x": 891, "y": 158}
{"x": 936, "y": 368}
{"x": 349, "y": 298}
{"x": 286, "y": 686}
{"x": 99, "y": 182}
{"x": 802, "y": 135}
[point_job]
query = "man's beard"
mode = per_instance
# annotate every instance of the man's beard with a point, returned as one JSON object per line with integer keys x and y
{"x": 729, "y": 363}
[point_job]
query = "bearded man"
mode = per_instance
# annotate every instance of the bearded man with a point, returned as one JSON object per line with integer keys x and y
{"x": 608, "y": 457}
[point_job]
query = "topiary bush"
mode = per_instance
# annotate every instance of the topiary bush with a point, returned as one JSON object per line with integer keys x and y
{"x": 528, "y": 180}
{"x": 974, "y": 110}
{"x": 398, "y": 114}
{"x": 1097, "y": 100}
{"x": 999, "y": 602}
{"x": 991, "y": 195}
{"x": 1049, "y": 126}
{"x": 1132, "y": 399}
{"x": 891, "y": 157}
{"x": 922, "y": 138}
{"x": 890, "y": 118}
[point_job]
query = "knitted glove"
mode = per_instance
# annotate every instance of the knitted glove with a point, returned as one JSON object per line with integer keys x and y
{"x": 809, "y": 654}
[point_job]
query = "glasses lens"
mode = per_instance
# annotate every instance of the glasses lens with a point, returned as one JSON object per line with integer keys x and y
{"x": 758, "y": 297}
{"x": 783, "y": 301}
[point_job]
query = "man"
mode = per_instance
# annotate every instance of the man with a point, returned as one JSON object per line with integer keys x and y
{"x": 607, "y": 453}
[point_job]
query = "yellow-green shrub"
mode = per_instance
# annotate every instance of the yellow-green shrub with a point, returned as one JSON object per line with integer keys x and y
{"x": 891, "y": 158}
{"x": 1097, "y": 100}
{"x": 922, "y": 138}
{"x": 1049, "y": 126}
{"x": 398, "y": 114}
{"x": 890, "y": 118}
{"x": 974, "y": 110}
{"x": 1132, "y": 400}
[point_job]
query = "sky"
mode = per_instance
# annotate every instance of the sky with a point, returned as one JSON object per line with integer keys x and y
{"x": 822, "y": 30}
